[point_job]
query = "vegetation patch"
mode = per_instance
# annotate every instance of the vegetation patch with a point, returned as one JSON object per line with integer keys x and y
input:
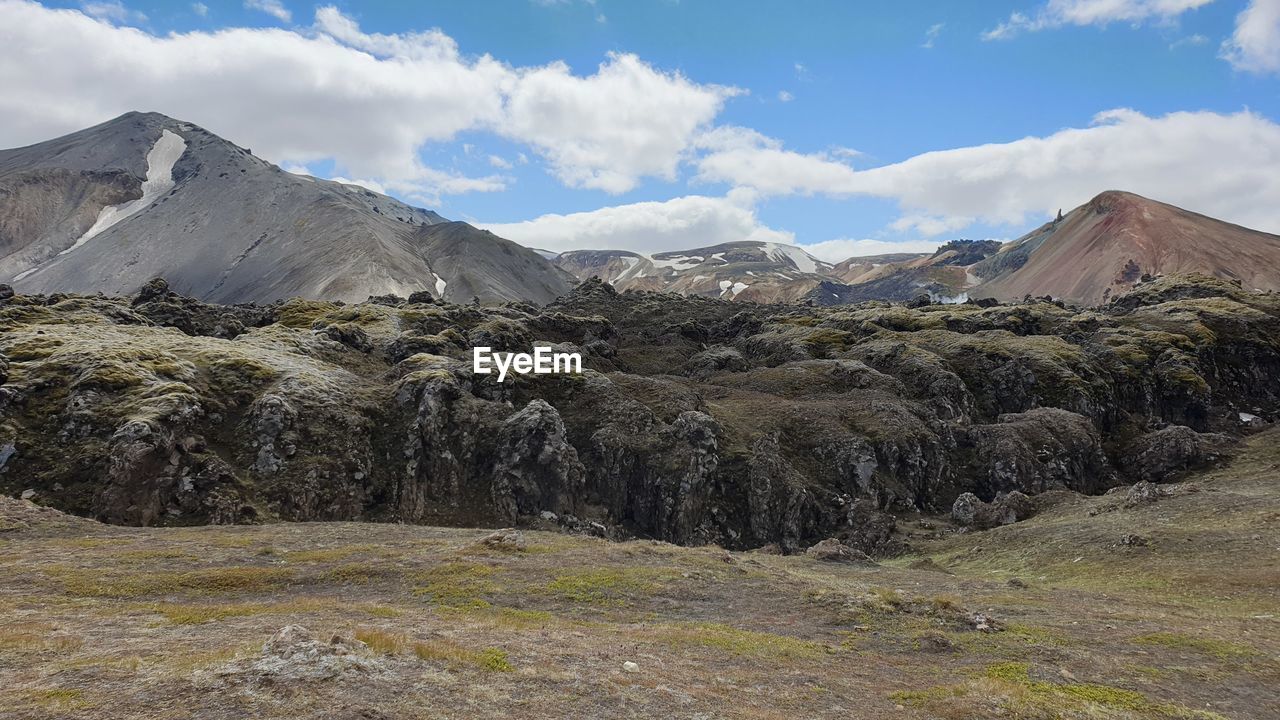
{"x": 457, "y": 584}
{"x": 88, "y": 583}
{"x": 606, "y": 586}
{"x": 1220, "y": 649}
{"x": 738, "y": 642}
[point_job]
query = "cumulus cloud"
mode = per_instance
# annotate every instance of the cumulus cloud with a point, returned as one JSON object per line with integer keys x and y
{"x": 834, "y": 251}
{"x": 297, "y": 95}
{"x": 1059, "y": 13}
{"x": 271, "y": 7}
{"x": 608, "y": 130}
{"x": 1221, "y": 165}
{"x": 745, "y": 158}
{"x": 200, "y": 9}
{"x": 645, "y": 227}
{"x": 1255, "y": 44}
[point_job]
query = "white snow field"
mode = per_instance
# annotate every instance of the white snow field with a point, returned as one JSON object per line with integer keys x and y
{"x": 160, "y": 161}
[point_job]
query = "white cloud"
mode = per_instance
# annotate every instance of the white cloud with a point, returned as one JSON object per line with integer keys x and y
{"x": 645, "y": 227}
{"x": 1059, "y": 13}
{"x": 200, "y": 9}
{"x": 499, "y": 162}
{"x": 834, "y": 251}
{"x": 931, "y": 35}
{"x": 608, "y": 130}
{"x": 1189, "y": 41}
{"x": 784, "y": 96}
{"x": 743, "y": 157}
{"x": 295, "y": 95}
{"x": 929, "y": 225}
{"x": 271, "y": 7}
{"x": 1227, "y": 166}
{"x": 1255, "y": 45}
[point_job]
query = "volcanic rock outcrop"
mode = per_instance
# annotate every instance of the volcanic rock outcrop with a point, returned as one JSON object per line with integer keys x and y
{"x": 695, "y": 420}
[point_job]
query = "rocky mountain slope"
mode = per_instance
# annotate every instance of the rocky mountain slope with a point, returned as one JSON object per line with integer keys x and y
{"x": 697, "y": 420}
{"x": 745, "y": 271}
{"x": 1102, "y": 248}
{"x": 104, "y": 209}
{"x": 944, "y": 276}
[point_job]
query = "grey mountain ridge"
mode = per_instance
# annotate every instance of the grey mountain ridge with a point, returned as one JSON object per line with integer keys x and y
{"x": 235, "y": 228}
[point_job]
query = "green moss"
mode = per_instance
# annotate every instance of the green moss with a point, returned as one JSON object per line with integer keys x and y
{"x": 825, "y": 341}
{"x": 457, "y": 584}
{"x": 739, "y": 642}
{"x": 606, "y": 586}
{"x": 1219, "y": 649}
{"x": 300, "y": 314}
{"x": 1014, "y": 672}
{"x": 455, "y": 655}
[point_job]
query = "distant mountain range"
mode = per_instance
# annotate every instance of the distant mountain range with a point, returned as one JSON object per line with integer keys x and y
{"x": 1088, "y": 256}
{"x": 144, "y": 195}
{"x": 141, "y": 196}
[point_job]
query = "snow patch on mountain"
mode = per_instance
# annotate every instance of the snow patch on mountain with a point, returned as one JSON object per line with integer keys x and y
{"x": 160, "y": 161}
{"x": 803, "y": 261}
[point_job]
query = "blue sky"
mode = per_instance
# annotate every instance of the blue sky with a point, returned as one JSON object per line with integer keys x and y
{"x": 809, "y": 122}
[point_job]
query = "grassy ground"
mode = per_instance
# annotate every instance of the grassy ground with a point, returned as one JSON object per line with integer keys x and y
{"x": 108, "y": 622}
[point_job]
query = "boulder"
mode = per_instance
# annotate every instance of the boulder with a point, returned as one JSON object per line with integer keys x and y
{"x": 832, "y": 550}
{"x": 970, "y": 511}
{"x": 1162, "y": 455}
{"x": 535, "y": 467}
{"x": 294, "y": 655}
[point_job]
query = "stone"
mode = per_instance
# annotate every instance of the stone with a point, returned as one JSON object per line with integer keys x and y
{"x": 507, "y": 540}
{"x": 832, "y": 550}
{"x": 970, "y": 511}
{"x": 536, "y": 468}
{"x": 932, "y": 641}
{"x": 294, "y": 655}
{"x": 984, "y": 623}
{"x": 1144, "y": 493}
{"x": 154, "y": 289}
{"x": 1162, "y": 455}
{"x": 630, "y": 667}
{"x": 1132, "y": 540}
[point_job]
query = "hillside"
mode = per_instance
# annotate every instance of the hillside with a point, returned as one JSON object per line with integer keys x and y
{"x": 743, "y": 271}
{"x": 1100, "y": 249}
{"x": 110, "y": 207}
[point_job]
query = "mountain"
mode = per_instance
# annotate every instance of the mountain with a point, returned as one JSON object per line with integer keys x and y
{"x": 944, "y": 276}
{"x": 107, "y": 208}
{"x": 747, "y": 270}
{"x": 1102, "y": 248}
{"x": 857, "y": 269}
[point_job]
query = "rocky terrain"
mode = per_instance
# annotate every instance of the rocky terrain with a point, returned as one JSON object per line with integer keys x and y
{"x": 1140, "y": 604}
{"x": 748, "y": 271}
{"x": 145, "y": 195}
{"x": 1025, "y": 510}
{"x": 695, "y": 421}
